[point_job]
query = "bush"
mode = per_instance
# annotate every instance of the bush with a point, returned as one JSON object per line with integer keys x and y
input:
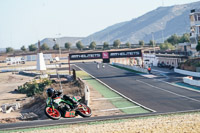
{"x": 33, "y": 88}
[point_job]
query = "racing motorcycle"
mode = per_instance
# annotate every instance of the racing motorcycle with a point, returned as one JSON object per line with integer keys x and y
{"x": 61, "y": 107}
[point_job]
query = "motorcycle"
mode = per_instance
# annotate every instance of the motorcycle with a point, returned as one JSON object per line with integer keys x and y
{"x": 60, "y": 107}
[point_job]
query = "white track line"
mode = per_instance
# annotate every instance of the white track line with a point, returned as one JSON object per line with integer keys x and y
{"x": 117, "y": 91}
{"x": 169, "y": 91}
{"x": 119, "y": 108}
{"x": 184, "y": 87}
{"x": 98, "y": 99}
{"x": 159, "y": 71}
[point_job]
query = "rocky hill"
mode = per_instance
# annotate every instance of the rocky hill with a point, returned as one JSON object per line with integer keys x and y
{"x": 158, "y": 24}
{"x": 61, "y": 41}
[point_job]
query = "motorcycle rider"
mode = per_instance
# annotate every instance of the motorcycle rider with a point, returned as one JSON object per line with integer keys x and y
{"x": 57, "y": 93}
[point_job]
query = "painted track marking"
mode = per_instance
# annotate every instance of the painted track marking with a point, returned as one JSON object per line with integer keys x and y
{"x": 169, "y": 91}
{"x": 119, "y": 108}
{"x": 98, "y": 99}
{"x": 117, "y": 91}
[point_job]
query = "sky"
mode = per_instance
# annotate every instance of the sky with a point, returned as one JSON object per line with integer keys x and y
{"x": 24, "y": 22}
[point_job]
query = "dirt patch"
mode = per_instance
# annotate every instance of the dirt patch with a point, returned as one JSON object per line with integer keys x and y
{"x": 38, "y": 103}
{"x": 10, "y": 82}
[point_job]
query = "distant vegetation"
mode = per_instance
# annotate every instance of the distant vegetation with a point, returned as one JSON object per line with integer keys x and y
{"x": 92, "y": 45}
{"x": 9, "y": 50}
{"x": 56, "y": 47}
{"x": 173, "y": 40}
{"x": 79, "y": 45}
{"x": 116, "y": 43}
{"x": 68, "y": 45}
{"x": 32, "y": 47}
{"x": 198, "y": 46}
{"x": 169, "y": 44}
{"x": 44, "y": 47}
{"x": 34, "y": 87}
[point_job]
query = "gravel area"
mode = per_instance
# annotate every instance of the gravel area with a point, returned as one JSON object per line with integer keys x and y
{"x": 185, "y": 123}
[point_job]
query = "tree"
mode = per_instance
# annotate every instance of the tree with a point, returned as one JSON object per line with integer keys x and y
{"x": 141, "y": 43}
{"x": 174, "y": 39}
{"x": 198, "y": 46}
{"x": 79, "y": 45}
{"x": 167, "y": 46}
{"x": 116, "y": 43}
{"x": 9, "y": 50}
{"x": 68, "y": 45}
{"x": 32, "y": 47}
{"x": 152, "y": 43}
{"x": 128, "y": 44}
{"x": 23, "y": 48}
{"x": 44, "y": 47}
{"x": 105, "y": 45}
{"x": 92, "y": 45}
{"x": 184, "y": 38}
{"x": 56, "y": 47}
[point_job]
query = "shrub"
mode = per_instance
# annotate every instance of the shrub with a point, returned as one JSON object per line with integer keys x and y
{"x": 33, "y": 88}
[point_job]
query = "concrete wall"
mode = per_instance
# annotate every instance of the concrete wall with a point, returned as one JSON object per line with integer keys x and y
{"x": 189, "y": 80}
{"x": 189, "y": 73}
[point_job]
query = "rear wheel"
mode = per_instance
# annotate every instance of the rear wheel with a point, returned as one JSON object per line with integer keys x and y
{"x": 53, "y": 114}
{"x": 83, "y": 110}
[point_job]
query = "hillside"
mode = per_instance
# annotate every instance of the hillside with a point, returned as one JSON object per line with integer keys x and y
{"x": 61, "y": 41}
{"x": 159, "y": 23}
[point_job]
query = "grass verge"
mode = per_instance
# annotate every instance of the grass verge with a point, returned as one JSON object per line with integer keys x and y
{"x": 125, "y": 106}
{"x": 128, "y": 69}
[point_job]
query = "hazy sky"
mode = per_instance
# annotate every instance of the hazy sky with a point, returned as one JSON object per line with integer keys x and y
{"x": 24, "y": 22}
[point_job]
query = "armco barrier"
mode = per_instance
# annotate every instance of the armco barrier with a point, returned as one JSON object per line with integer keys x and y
{"x": 189, "y": 73}
{"x": 189, "y": 80}
{"x": 135, "y": 68}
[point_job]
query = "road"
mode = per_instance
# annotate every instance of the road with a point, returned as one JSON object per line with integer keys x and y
{"x": 149, "y": 92}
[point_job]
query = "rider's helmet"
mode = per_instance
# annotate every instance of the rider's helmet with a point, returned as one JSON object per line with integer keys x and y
{"x": 50, "y": 92}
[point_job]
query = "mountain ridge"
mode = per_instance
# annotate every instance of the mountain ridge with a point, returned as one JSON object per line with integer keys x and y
{"x": 158, "y": 24}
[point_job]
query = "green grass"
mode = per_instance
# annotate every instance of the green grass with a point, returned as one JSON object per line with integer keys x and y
{"x": 187, "y": 85}
{"x": 128, "y": 69}
{"x": 35, "y": 129}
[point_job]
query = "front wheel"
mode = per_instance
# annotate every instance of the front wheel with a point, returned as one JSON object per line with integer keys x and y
{"x": 83, "y": 110}
{"x": 53, "y": 114}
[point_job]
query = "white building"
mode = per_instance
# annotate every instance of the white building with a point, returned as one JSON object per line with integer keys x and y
{"x": 15, "y": 60}
{"x": 194, "y": 28}
{"x": 34, "y": 57}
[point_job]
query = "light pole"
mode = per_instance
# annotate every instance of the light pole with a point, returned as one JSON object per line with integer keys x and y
{"x": 58, "y": 48}
{"x": 153, "y": 41}
{"x": 162, "y": 32}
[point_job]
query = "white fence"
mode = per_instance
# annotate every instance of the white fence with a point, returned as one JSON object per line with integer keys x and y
{"x": 189, "y": 80}
{"x": 189, "y": 73}
{"x": 135, "y": 68}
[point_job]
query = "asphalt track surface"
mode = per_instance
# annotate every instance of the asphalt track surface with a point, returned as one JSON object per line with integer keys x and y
{"x": 149, "y": 92}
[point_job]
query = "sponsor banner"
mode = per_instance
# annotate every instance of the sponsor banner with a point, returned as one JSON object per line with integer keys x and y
{"x": 82, "y": 56}
{"x": 121, "y": 54}
{"x": 105, "y": 55}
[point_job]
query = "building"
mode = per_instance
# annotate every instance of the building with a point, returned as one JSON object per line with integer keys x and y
{"x": 194, "y": 28}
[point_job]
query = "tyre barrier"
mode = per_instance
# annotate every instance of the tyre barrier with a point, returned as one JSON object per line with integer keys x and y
{"x": 31, "y": 74}
{"x": 7, "y": 108}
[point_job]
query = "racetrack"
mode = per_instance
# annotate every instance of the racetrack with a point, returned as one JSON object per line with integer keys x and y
{"x": 149, "y": 92}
